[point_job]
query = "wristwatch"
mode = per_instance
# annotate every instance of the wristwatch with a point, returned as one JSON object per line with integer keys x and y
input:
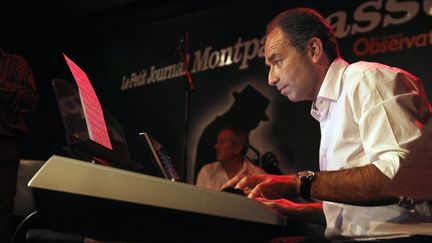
{"x": 306, "y": 177}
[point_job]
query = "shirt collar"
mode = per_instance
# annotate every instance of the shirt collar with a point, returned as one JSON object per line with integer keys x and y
{"x": 330, "y": 86}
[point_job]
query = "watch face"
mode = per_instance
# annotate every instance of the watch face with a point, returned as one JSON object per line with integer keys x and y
{"x": 306, "y": 173}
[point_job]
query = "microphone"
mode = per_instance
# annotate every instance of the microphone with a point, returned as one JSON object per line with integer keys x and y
{"x": 183, "y": 50}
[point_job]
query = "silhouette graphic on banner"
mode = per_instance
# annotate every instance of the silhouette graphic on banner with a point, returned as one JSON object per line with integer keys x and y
{"x": 247, "y": 111}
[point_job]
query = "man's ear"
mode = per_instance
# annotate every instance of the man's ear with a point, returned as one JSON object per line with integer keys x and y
{"x": 239, "y": 149}
{"x": 315, "y": 49}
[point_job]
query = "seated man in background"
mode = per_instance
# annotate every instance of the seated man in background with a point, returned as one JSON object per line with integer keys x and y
{"x": 231, "y": 147}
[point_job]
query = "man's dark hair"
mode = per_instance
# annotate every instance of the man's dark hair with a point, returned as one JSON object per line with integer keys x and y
{"x": 301, "y": 24}
{"x": 241, "y": 136}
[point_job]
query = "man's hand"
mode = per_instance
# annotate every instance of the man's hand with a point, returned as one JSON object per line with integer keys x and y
{"x": 267, "y": 186}
{"x": 311, "y": 212}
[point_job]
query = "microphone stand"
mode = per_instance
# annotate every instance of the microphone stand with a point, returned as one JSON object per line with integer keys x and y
{"x": 189, "y": 87}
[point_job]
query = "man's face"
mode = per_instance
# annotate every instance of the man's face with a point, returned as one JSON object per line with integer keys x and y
{"x": 291, "y": 71}
{"x": 226, "y": 147}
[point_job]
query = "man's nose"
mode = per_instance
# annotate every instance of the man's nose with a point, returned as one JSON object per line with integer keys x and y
{"x": 272, "y": 78}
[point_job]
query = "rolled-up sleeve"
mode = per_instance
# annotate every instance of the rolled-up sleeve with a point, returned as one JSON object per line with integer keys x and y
{"x": 389, "y": 119}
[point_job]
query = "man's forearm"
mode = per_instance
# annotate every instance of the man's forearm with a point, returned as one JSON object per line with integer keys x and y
{"x": 357, "y": 186}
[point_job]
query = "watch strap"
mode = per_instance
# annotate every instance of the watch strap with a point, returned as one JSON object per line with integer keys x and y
{"x": 306, "y": 178}
{"x": 305, "y": 187}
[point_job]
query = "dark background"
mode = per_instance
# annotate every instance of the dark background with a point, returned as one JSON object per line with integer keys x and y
{"x": 111, "y": 39}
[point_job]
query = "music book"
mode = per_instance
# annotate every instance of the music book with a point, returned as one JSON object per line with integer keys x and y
{"x": 92, "y": 107}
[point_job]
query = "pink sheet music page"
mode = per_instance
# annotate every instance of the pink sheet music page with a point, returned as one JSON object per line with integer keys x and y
{"x": 92, "y": 108}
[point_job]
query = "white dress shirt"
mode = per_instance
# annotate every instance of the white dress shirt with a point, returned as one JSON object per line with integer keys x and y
{"x": 213, "y": 176}
{"x": 369, "y": 113}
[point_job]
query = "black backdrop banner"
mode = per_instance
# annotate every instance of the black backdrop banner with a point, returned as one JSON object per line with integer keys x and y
{"x": 139, "y": 75}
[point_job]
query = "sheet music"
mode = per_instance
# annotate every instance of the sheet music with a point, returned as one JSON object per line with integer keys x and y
{"x": 92, "y": 108}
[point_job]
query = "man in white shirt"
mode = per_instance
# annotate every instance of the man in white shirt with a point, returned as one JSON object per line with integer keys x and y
{"x": 369, "y": 115}
{"x": 231, "y": 147}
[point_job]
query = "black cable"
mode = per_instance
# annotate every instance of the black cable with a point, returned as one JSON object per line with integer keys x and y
{"x": 20, "y": 227}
